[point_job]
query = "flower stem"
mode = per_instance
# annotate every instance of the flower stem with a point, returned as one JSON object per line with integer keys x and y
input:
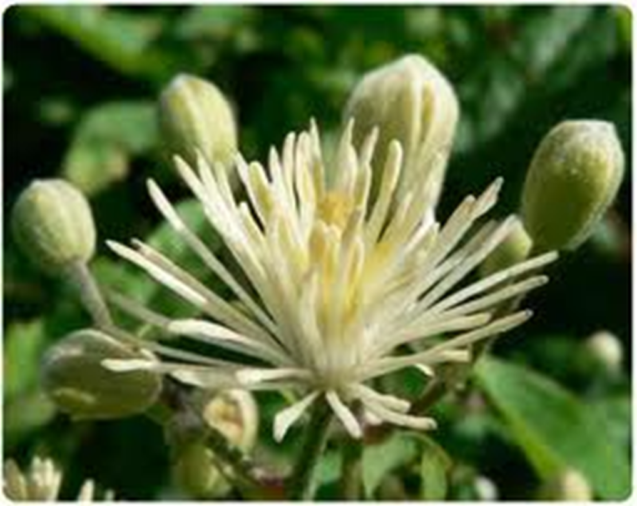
{"x": 352, "y": 470}
{"x": 300, "y": 483}
{"x": 89, "y": 293}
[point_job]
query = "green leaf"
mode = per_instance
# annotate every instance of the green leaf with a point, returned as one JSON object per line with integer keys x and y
{"x": 119, "y": 39}
{"x": 434, "y": 466}
{"x": 554, "y": 429}
{"x": 24, "y": 344}
{"x": 212, "y": 20}
{"x": 381, "y": 459}
{"x": 106, "y": 140}
{"x": 328, "y": 468}
{"x": 26, "y": 414}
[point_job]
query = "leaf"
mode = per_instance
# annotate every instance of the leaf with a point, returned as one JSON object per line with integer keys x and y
{"x": 554, "y": 429}
{"x": 24, "y": 344}
{"x": 381, "y": 459}
{"x": 212, "y": 20}
{"x": 106, "y": 140}
{"x": 118, "y": 39}
{"x": 328, "y": 468}
{"x": 499, "y": 85}
{"x": 26, "y": 414}
{"x": 434, "y": 466}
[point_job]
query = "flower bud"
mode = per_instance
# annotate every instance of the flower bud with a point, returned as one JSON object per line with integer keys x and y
{"x": 76, "y": 380}
{"x": 606, "y": 348}
{"x": 486, "y": 490}
{"x": 573, "y": 178}
{"x": 195, "y": 116}
{"x": 53, "y": 224}
{"x": 409, "y": 100}
{"x": 570, "y": 485}
{"x": 514, "y": 249}
{"x": 234, "y": 414}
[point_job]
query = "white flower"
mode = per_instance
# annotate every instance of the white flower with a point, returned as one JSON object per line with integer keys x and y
{"x": 41, "y": 483}
{"x": 331, "y": 285}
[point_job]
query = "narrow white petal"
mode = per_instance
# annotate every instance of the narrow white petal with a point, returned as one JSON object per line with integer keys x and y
{"x": 402, "y": 419}
{"x": 344, "y": 414}
{"x": 286, "y": 418}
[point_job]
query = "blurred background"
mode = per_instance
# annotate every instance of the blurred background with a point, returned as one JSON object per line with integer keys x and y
{"x": 80, "y": 86}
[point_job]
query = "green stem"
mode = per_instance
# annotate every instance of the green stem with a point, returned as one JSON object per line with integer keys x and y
{"x": 300, "y": 483}
{"x": 240, "y": 465}
{"x": 89, "y": 293}
{"x": 352, "y": 470}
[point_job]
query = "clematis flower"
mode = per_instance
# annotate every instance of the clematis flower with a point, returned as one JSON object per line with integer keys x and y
{"x": 330, "y": 286}
{"x": 42, "y": 483}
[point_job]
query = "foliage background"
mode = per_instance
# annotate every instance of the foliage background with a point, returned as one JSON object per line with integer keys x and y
{"x": 79, "y": 91}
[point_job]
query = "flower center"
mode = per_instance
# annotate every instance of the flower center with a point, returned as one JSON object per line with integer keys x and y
{"x": 335, "y": 208}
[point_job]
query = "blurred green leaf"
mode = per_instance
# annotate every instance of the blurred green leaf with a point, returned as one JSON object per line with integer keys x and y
{"x": 499, "y": 84}
{"x": 554, "y": 429}
{"x": 119, "y": 39}
{"x": 328, "y": 469}
{"x": 23, "y": 347}
{"x": 381, "y": 459}
{"x": 212, "y": 20}
{"x": 26, "y": 414}
{"x": 434, "y": 466}
{"x": 105, "y": 141}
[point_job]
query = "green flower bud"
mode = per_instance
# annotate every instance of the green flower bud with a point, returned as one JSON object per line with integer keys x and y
{"x": 234, "y": 414}
{"x": 194, "y": 115}
{"x": 570, "y": 485}
{"x": 195, "y": 472}
{"x": 53, "y": 224}
{"x": 573, "y": 178}
{"x": 409, "y": 100}
{"x": 606, "y": 349}
{"x": 76, "y": 380}
{"x": 514, "y": 249}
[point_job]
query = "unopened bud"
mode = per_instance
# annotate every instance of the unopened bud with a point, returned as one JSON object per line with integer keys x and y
{"x": 234, "y": 414}
{"x": 485, "y": 489}
{"x": 409, "y": 100}
{"x": 195, "y": 116}
{"x": 570, "y": 485}
{"x": 573, "y": 178}
{"x": 81, "y": 386}
{"x": 514, "y": 249}
{"x": 607, "y": 349}
{"x": 53, "y": 224}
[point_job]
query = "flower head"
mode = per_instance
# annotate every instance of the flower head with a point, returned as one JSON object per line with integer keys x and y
{"x": 41, "y": 483}
{"x": 332, "y": 285}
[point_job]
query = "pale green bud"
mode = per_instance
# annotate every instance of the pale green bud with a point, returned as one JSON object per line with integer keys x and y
{"x": 514, "y": 249}
{"x": 573, "y": 178}
{"x": 607, "y": 349}
{"x": 570, "y": 485}
{"x": 81, "y": 386}
{"x": 409, "y": 100}
{"x": 233, "y": 413}
{"x": 53, "y": 225}
{"x": 195, "y": 116}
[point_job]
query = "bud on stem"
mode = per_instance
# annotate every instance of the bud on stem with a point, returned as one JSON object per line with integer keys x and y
{"x": 573, "y": 178}
{"x": 195, "y": 116}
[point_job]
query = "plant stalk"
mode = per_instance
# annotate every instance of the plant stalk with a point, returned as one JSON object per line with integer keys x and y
{"x": 300, "y": 483}
{"x": 88, "y": 291}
